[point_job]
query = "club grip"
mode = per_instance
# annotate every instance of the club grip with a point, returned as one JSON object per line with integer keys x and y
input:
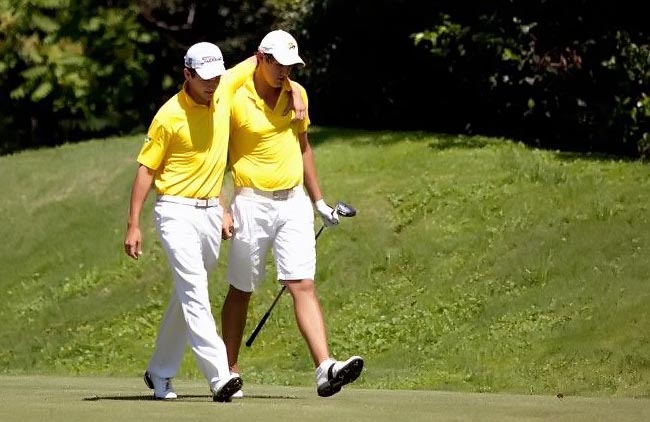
{"x": 257, "y": 329}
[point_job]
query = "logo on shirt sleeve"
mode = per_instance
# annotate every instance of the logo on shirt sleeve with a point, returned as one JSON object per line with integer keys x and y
{"x": 147, "y": 139}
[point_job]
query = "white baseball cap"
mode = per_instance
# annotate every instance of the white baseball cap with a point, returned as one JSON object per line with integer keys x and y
{"x": 206, "y": 59}
{"x": 282, "y": 46}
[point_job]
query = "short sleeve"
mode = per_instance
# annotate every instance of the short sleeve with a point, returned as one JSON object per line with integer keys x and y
{"x": 155, "y": 145}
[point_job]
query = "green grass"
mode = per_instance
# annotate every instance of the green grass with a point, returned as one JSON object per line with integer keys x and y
{"x": 69, "y": 399}
{"x": 474, "y": 264}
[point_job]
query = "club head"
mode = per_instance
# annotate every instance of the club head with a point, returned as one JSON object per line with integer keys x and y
{"x": 345, "y": 210}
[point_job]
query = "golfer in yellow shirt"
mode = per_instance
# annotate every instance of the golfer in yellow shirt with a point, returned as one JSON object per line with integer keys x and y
{"x": 184, "y": 156}
{"x": 272, "y": 164}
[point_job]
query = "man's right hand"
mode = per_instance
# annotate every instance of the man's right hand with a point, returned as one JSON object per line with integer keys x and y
{"x": 133, "y": 242}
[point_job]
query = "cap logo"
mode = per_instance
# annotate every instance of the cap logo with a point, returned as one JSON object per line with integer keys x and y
{"x": 210, "y": 59}
{"x": 291, "y": 45}
{"x": 195, "y": 63}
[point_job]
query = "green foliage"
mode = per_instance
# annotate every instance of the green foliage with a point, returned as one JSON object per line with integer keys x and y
{"x": 562, "y": 75}
{"x": 631, "y": 67}
{"x": 70, "y": 68}
{"x": 441, "y": 38}
{"x": 288, "y": 13}
{"x": 565, "y": 88}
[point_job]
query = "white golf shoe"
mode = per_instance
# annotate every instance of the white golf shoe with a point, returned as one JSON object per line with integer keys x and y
{"x": 162, "y": 387}
{"x": 222, "y": 391}
{"x": 331, "y": 375}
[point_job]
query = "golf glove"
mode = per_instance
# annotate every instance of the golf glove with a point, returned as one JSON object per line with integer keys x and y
{"x": 327, "y": 214}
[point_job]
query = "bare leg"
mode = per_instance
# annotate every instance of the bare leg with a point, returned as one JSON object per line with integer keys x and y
{"x": 309, "y": 317}
{"x": 233, "y": 322}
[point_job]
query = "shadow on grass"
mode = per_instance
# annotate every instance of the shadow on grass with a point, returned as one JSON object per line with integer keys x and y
{"x": 445, "y": 141}
{"x": 187, "y": 397}
{"x": 437, "y": 141}
{"x": 127, "y": 398}
{"x": 571, "y": 156}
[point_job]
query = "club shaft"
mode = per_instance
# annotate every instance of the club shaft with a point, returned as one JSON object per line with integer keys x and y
{"x": 257, "y": 329}
{"x": 260, "y": 324}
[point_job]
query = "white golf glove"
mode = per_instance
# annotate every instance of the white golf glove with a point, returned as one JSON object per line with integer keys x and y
{"x": 327, "y": 214}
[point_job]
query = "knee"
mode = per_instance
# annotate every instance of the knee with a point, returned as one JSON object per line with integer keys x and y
{"x": 301, "y": 288}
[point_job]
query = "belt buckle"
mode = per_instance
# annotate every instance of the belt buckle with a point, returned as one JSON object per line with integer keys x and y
{"x": 202, "y": 202}
{"x": 281, "y": 195}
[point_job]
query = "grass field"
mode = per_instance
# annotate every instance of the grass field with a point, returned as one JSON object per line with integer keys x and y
{"x": 473, "y": 265}
{"x": 71, "y": 399}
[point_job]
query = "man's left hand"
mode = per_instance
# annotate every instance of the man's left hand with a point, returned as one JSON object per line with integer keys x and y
{"x": 328, "y": 215}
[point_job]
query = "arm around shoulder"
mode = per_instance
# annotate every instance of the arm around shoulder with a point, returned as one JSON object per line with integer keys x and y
{"x": 297, "y": 101}
{"x": 237, "y": 75}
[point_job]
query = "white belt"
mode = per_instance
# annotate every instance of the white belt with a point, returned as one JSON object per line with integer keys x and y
{"x": 195, "y": 202}
{"x": 277, "y": 195}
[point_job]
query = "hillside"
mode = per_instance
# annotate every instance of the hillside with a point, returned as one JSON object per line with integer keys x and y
{"x": 474, "y": 264}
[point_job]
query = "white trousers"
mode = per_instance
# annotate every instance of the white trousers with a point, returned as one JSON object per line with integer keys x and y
{"x": 191, "y": 236}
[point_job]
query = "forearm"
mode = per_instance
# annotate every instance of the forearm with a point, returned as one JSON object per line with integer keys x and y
{"x": 237, "y": 76}
{"x": 296, "y": 102}
{"x": 139, "y": 191}
{"x": 309, "y": 173}
{"x": 227, "y": 189}
{"x": 224, "y": 202}
{"x": 227, "y": 225}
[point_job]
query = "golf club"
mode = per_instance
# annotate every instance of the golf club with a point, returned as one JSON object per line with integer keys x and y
{"x": 343, "y": 210}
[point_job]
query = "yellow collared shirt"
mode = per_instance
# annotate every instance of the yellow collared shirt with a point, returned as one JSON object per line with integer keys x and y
{"x": 264, "y": 150}
{"x": 186, "y": 143}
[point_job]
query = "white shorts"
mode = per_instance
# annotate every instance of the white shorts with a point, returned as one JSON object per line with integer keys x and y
{"x": 262, "y": 223}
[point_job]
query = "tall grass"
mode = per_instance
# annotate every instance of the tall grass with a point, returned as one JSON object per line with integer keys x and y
{"x": 474, "y": 264}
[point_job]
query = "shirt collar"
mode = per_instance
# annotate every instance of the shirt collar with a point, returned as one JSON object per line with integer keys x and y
{"x": 249, "y": 86}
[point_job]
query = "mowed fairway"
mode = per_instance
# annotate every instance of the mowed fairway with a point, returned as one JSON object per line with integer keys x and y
{"x": 98, "y": 399}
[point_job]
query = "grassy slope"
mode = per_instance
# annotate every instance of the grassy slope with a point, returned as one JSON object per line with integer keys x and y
{"x": 473, "y": 264}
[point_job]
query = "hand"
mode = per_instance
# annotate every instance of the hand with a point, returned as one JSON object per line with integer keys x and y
{"x": 133, "y": 242}
{"x": 327, "y": 214}
{"x": 295, "y": 103}
{"x": 227, "y": 225}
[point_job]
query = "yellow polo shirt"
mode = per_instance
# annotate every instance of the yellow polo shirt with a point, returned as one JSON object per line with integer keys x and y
{"x": 187, "y": 143}
{"x": 264, "y": 150}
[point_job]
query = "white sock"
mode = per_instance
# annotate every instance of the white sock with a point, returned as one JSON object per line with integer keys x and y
{"x": 323, "y": 368}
